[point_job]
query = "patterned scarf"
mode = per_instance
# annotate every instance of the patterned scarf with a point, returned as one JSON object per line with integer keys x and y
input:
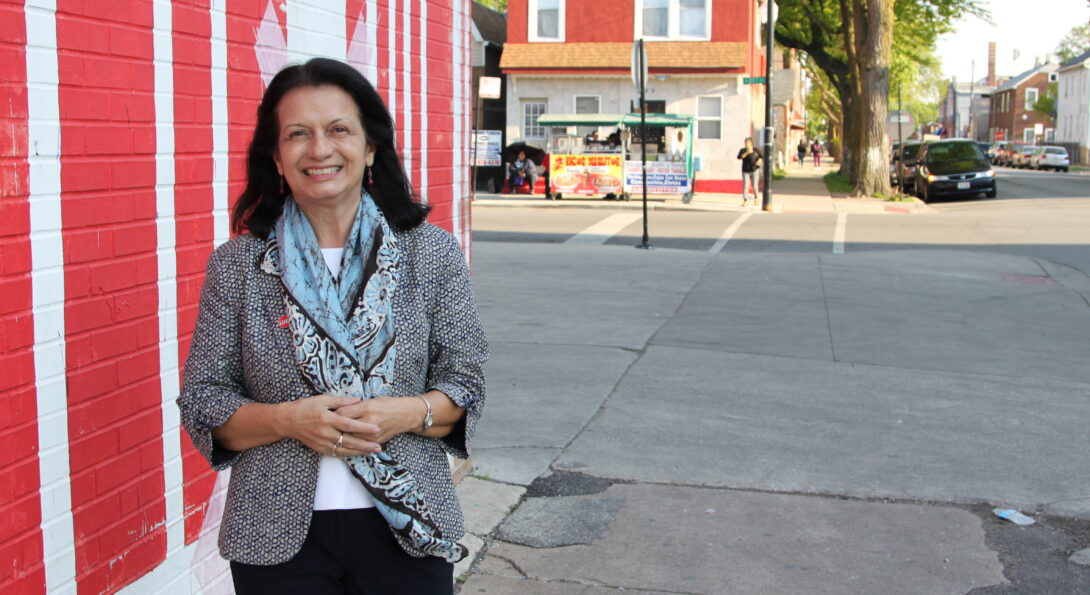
{"x": 343, "y": 333}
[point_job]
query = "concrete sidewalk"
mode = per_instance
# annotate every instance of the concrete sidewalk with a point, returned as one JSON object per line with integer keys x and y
{"x": 682, "y": 422}
{"x": 802, "y": 191}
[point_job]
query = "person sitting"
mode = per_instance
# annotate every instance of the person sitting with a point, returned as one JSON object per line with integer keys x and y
{"x": 614, "y": 138}
{"x": 520, "y": 171}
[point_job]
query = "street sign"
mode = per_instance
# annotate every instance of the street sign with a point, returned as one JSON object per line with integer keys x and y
{"x": 487, "y": 145}
{"x": 639, "y": 63}
{"x": 489, "y": 87}
{"x": 900, "y": 124}
{"x": 1000, "y": 135}
{"x": 750, "y": 80}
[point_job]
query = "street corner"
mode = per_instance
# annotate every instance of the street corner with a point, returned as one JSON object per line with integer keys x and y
{"x": 661, "y": 538}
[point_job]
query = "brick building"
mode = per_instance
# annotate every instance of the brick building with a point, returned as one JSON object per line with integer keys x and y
{"x": 574, "y": 57}
{"x": 1012, "y": 115}
{"x": 122, "y": 145}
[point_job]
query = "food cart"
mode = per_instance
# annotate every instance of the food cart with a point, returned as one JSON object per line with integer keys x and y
{"x": 611, "y": 167}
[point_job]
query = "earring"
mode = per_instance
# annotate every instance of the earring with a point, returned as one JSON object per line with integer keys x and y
{"x": 370, "y": 176}
{"x": 281, "y": 184}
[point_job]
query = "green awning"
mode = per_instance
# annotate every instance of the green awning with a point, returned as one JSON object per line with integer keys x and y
{"x": 579, "y": 119}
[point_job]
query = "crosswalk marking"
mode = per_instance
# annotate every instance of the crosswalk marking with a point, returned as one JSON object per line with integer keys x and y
{"x": 728, "y": 233}
{"x": 604, "y": 229}
{"x": 839, "y": 233}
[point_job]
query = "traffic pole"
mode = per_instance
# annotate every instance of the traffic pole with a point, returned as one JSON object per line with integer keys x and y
{"x": 766, "y": 197}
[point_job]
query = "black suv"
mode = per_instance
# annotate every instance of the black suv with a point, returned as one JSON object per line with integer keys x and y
{"x": 953, "y": 167}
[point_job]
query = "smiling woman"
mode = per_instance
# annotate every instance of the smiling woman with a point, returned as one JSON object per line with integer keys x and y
{"x": 337, "y": 355}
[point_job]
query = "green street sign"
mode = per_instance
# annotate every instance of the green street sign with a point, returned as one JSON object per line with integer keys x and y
{"x": 749, "y": 80}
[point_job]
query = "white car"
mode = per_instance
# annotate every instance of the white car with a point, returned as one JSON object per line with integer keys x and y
{"x": 1049, "y": 157}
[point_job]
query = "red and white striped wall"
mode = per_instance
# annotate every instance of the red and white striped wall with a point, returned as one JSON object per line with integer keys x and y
{"x": 123, "y": 128}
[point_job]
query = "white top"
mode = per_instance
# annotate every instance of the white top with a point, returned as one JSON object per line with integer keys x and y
{"x": 338, "y": 489}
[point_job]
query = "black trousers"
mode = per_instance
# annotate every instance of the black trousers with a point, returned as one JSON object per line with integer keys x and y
{"x": 348, "y": 552}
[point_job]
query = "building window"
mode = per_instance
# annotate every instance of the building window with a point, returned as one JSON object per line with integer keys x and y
{"x": 1031, "y": 98}
{"x": 1050, "y": 135}
{"x": 587, "y": 104}
{"x": 546, "y": 20}
{"x": 1028, "y": 136}
{"x": 531, "y": 111}
{"x": 709, "y": 118}
{"x": 673, "y": 19}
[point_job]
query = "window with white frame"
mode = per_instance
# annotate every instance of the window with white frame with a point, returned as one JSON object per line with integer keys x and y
{"x": 546, "y": 20}
{"x": 1031, "y": 97}
{"x": 531, "y": 111}
{"x": 673, "y": 19}
{"x": 1050, "y": 135}
{"x": 1028, "y": 136}
{"x": 709, "y": 117}
{"x": 587, "y": 104}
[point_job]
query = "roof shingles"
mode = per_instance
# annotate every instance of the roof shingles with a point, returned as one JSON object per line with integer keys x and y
{"x": 672, "y": 55}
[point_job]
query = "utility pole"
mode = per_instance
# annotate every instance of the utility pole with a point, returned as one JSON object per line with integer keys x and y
{"x": 972, "y": 89}
{"x": 766, "y": 198}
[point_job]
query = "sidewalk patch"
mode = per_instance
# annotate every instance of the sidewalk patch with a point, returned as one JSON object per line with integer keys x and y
{"x": 567, "y": 483}
{"x": 557, "y": 522}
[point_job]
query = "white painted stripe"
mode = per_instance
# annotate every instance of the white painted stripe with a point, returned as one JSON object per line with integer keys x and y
{"x": 729, "y": 232}
{"x": 167, "y": 286}
{"x": 467, "y": 117}
{"x": 220, "y": 142}
{"x": 391, "y": 65}
{"x": 604, "y": 229}
{"x": 423, "y": 189}
{"x": 47, "y": 296}
{"x": 406, "y": 88}
{"x": 839, "y": 233}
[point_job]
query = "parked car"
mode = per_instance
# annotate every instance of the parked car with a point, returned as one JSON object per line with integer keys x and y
{"x": 953, "y": 167}
{"x": 997, "y": 150}
{"x": 1021, "y": 155}
{"x": 984, "y": 148}
{"x": 903, "y": 166}
{"x": 1049, "y": 157}
{"x": 1011, "y": 153}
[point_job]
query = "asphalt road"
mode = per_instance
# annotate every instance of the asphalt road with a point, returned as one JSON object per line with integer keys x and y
{"x": 1037, "y": 214}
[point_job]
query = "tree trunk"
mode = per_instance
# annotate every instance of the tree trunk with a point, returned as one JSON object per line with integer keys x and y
{"x": 872, "y": 39}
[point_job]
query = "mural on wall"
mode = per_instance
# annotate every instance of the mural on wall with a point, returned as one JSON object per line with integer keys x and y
{"x": 122, "y": 140}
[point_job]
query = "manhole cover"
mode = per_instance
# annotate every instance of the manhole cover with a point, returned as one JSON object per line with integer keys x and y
{"x": 1029, "y": 279}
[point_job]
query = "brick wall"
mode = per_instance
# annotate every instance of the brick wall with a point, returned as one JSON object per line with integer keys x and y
{"x": 1009, "y": 111}
{"x": 122, "y": 144}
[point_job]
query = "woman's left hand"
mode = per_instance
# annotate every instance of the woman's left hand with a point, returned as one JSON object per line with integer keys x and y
{"x": 392, "y": 415}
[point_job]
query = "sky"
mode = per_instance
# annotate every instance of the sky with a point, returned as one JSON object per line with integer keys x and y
{"x": 1033, "y": 27}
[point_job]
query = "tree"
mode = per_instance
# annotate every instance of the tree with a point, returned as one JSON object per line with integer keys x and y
{"x": 1046, "y": 104}
{"x": 848, "y": 41}
{"x": 1074, "y": 43}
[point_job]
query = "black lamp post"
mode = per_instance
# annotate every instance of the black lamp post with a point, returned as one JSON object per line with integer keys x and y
{"x": 770, "y": 24}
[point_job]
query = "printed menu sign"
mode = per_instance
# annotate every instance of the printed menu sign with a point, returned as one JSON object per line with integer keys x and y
{"x": 585, "y": 174}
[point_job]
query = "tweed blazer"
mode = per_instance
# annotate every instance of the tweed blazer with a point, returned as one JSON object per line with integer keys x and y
{"x": 241, "y": 354}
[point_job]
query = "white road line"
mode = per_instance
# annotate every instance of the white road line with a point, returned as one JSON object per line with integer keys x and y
{"x": 729, "y": 232}
{"x": 839, "y": 233}
{"x": 604, "y": 229}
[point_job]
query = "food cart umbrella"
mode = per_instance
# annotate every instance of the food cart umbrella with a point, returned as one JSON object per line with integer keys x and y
{"x": 533, "y": 152}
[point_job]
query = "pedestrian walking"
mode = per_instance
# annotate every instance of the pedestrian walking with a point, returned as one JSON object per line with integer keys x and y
{"x": 751, "y": 162}
{"x": 815, "y": 150}
{"x": 802, "y": 151}
{"x": 337, "y": 356}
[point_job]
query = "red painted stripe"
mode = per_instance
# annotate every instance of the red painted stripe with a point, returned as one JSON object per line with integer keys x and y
{"x": 20, "y": 506}
{"x": 728, "y": 186}
{"x": 193, "y": 205}
{"x": 244, "y": 87}
{"x": 441, "y": 94}
{"x": 107, "y": 113}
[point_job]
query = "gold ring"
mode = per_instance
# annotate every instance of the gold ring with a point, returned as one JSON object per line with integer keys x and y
{"x": 334, "y": 450}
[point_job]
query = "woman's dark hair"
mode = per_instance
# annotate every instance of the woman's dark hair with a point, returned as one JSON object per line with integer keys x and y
{"x": 262, "y": 201}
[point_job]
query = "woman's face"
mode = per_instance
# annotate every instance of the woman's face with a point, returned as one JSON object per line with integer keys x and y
{"x": 322, "y": 150}
{"x": 522, "y": 156}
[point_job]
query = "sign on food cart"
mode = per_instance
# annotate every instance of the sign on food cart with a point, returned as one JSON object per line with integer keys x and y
{"x": 663, "y": 177}
{"x": 489, "y": 143}
{"x": 585, "y": 174}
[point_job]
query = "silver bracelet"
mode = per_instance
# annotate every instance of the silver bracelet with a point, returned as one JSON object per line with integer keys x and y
{"x": 428, "y": 420}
